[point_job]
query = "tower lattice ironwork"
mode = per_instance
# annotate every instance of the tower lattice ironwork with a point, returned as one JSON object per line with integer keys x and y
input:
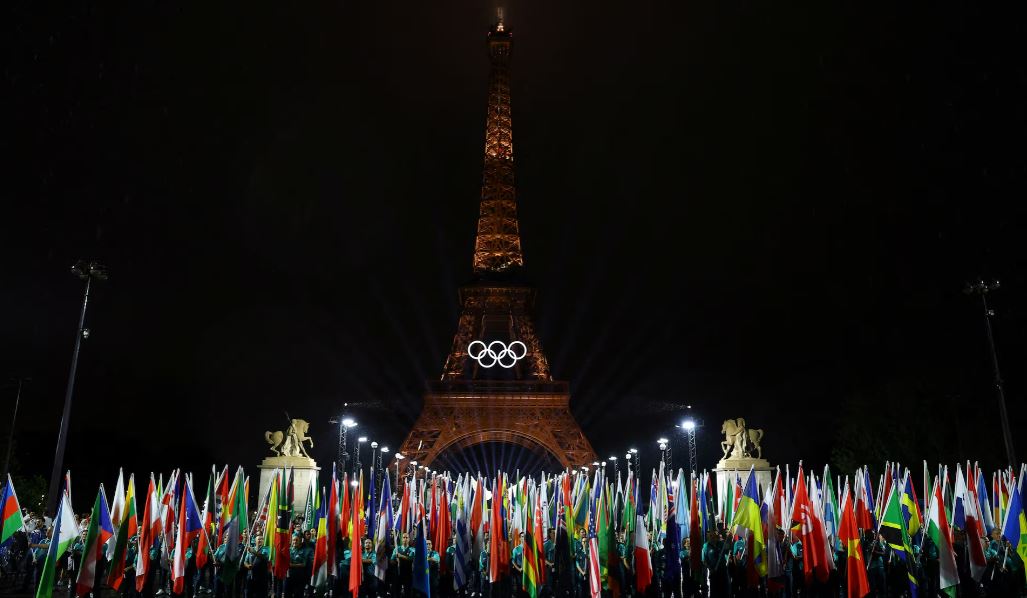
{"x": 474, "y": 401}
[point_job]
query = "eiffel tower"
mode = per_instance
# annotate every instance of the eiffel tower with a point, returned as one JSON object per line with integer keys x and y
{"x": 484, "y": 394}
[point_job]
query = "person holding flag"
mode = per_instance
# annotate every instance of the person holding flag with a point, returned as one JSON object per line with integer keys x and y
{"x": 100, "y": 530}
{"x": 65, "y": 532}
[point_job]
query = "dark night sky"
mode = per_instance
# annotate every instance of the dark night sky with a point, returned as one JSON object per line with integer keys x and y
{"x": 759, "y": 208}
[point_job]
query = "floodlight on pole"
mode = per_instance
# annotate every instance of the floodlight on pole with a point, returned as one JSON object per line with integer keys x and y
{"x": 87, "y": 272}
{"x": 981, "y": 289}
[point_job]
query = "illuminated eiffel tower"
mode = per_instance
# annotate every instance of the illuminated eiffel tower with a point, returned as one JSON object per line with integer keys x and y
{"x": 486, "y": 395}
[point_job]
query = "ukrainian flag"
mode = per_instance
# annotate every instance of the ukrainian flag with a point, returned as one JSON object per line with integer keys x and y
{"x": 747, "y": 515}
{"x": 1015, "y": 527}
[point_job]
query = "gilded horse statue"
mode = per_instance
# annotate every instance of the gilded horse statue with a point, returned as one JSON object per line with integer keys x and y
{"x": 740, "y": 442}
{"x": 290, "y": 442}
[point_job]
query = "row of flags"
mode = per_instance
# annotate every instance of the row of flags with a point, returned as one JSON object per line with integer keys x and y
{"x": 828, "y": 514}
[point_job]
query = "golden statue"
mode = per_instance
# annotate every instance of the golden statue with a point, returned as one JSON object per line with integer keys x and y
{"x": 741, "y": 442}
{"x": 290, "y": 442}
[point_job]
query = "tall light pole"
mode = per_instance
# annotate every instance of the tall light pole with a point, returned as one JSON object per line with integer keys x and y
{"x": 689, "y": 426}
{"x": 88, "y": 272}
{"x": 360, "y": 441}
{"x": 665, "y": 453}
{"x": 634, "y": 454}
{"x": 14, "y": 423}
{"x": 981, "y": 289}
{"x": 345, "y": 423}
{"x": 399, "y": 457}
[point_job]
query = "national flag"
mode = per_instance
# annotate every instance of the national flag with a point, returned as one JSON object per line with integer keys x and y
{"x": 117, "y": 513}
{"x": 1014, "y": 527}
{"x": 695, "y": 529}
{"x": 345, "y": 514}
{"x": 100, "y": 530}
{"x": 129, "y": 527}
{"x": 893, "y": 529}
{"x": 463, "y": 537}
{"x": 149, "y": 532}
{"x": 11, "y": 519}
{"x": 747, "y": 515}
{"x": 966, "y": 515}
{"x": 910, "y": 508}
{"x": 203, "y": 547}
{"x": 534, "y": 559}
{"x": 984, "y": 502}
{"x": 595, "y": 585}
{"x": 830, "y": 511}
{"x": 190, "y": 526}
{"x": 769, "y": 516}
{"x": 421, "y": 580}
{"x": 283, "y": 531}
{"x": 356, "y": 569}
{"x": 319, "y": 574}
{"x": 865, "y": 518}
{"x": 65, "y": 532}
{"x": 382, "y": 531}
{"x": 332, "y": 525}
{"x": 236, "y": 523}
{"x": 856, "y": 584}
{"x": 941, "y": 535}
{"x": 643, "y": 560}
{"x": 811, "y": 532}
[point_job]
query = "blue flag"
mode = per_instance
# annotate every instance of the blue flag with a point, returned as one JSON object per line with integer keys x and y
{"x": 421, "y": 580}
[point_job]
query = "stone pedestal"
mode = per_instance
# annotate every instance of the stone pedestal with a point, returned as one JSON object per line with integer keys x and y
{"x": 304, "y": 468}
{"x": 728, "y": 470}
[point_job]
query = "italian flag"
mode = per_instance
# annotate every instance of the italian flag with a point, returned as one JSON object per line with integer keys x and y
{"x": 941, "y": 535}
{"x": 64, "y": 533}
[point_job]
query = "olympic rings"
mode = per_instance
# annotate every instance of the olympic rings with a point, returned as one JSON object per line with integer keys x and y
{"x": 496, "y": 352}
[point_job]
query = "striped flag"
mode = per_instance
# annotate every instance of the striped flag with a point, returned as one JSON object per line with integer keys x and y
{"x": 129, "y": 527}
{"x": 595, "y": 585}
{"x": 189, "y": 527}
{"x": 319, "y": 575}
{"x": 65, "y": 532}
{"x": 100, "y": 530}
{"x": 10, "y": 512}
{"x": 463, "y": 539}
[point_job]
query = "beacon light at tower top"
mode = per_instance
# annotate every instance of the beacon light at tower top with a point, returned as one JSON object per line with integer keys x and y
{"x": 349, "y": 422}
{"x": 688, "y": 424}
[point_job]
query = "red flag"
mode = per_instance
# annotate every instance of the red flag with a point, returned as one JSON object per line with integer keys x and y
{"x": 344, "y": 513}
{"x": 811, "y": 532}
{"x": 356, "y": 569}
{"x": 855, "y": 569}
{"x": 643, "y": 561}
{"x": 333, "y": 514}
{"x": 147, "y": 534}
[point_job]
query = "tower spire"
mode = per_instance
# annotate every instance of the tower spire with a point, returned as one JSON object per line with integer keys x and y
{"x": 497, "y": 248}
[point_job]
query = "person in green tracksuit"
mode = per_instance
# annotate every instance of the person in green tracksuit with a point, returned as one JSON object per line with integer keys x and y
{"x": 581, "y": 589}
{"x": 483, "y": 569}
{"x": 549, "y": 547}
{"x": 714, "y": 557}
{"x": 620, "y": 569}
{"x": 517, "y": 566}
{"x": 296, "y": 579}
{"x": 403, "y": 555}
{"x": 433, "y": 568}
{"x": 369, "y": 560}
